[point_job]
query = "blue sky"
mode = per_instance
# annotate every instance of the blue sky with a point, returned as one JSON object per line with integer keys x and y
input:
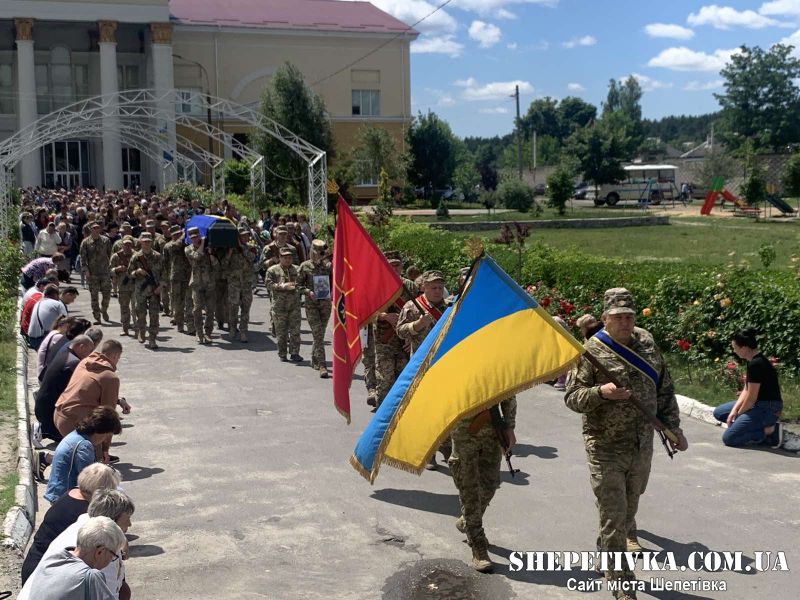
{"x": 471, "y": 53}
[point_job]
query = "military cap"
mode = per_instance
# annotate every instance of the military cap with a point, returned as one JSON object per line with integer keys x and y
{"x": 286, "y": 251}
{"x": 281, "y": 229}
{"x": 243, "y": 231}
{"x": 194, "y": 231}
{"x": 150, "y": 223}
{"x": 93, "y": 224}
{"x": 464, "y": 271}
{"x": 175, "y": 229}
{"x": 146, "y": 237}
{"x": 618, "y": 301}
{"x": 319, "y": 246}
{"x": 125, "y": 225}
{"x": 127, "y": 240}
{"x": 393, "y": 256}
{"x": 430, "y": 276}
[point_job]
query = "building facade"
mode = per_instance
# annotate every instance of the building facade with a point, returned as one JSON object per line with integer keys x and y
{"x": 56, "y": 52}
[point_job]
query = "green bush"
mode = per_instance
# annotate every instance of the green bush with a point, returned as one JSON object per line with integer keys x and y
{"x": 442, "y": 212}
{"x": 560, "y": 188}
{"x": 237, "y": 176}
{"x": 515, "y": 194}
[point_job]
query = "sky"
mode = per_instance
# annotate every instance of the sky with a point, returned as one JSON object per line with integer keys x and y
{"x": 472, "y": 53}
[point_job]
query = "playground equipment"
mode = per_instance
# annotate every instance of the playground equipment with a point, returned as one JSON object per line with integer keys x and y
{"x": 718, "y": 191}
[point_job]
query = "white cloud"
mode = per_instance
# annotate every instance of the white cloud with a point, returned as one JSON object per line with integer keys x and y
{"x": 502, "y": 13}
{"x": 411, "y": 11}
{"x": 789, "y": 8}
{"x": 702, "y": 86}
{"x": 497, "y": 110}
{"x": 683, "y": 59}
{"x": 668, "y": 30}
{"x": 725, "y": 17}
{"x": 575, "y": 87}
{"x": 793, "y": 40}
{"x": 445, "y": 44}
{"x": 498, "y": 90}
{"x": 648, "y": 84}
{"x": 512, "y": 45}
{"x": 446, "y": 100}
{"x": 486, "y": 34}
{"x": 586, "y": 40}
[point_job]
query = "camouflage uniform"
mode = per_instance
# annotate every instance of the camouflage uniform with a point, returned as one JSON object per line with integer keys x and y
{"x": 201, "y": 284}
{"x": 318, "y": 312}
{"x": 390, "y": 350}
{"x": 270, "y": 256}
{"x": 368, "y": 358}
{"x": 239, "y": 267}
{"x": 158, "y": 245}
{"x": 179, "y": 271}
{"x": 221, "y": 296}
{"x": 617, "y": 436}
{"x": 125, "y": 285}
{"x": 286, "y": 309}
{"x": 147, "y": 301}
{"x": 475, "y": 465}
{"x": 95, "y": 258}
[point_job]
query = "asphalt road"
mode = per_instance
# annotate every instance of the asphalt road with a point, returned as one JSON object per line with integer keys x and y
{"x": 238, "y": 465}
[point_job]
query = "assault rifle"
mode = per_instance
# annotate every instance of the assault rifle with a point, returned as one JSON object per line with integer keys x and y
{"x": 150, "y": 279}
{"x": 499, "y": 425}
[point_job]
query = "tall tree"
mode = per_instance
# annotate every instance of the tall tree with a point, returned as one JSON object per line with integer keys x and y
{"x": 542, "y": 117}
{"x": 376, "y": 150}
{"x": 432, "y": 148}
{"x": 288, "y": 101}
{"x": 599, "y": 151}
{"x": 761, "y": 102}
{"x": 486, "y": 164}
{"x": 622, "y": 113}
{"x": 574, "y": 113}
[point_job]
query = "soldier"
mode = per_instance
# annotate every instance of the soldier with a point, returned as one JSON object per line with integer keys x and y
{"x": 271, "y": 256}
{"x": 124, "y": 230}
{"x": 368, "y": 358}
{"x": 391, "y": 352}
{"x": 415, "y": 322}
{"x": 221, "y": 294}
{"x": 475, "y": 465}
{"x": 618, "y": 437}
{"x": 180, "y": 271}
{"x": 239, "y": 264}
{"x": 125, "y": 286}
{"x": 315, "y": 282}
{"x": 95, "y": 255}
{"x": 203, "y": 264}
{"x": 282, "y": 282}
{"x": 161, "y": 240}
{"x": 146, "y": 268}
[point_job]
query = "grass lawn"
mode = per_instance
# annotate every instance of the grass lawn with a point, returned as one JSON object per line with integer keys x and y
{"x": 689, "y": 240}
{"x": 8, "y": 416}
{"x": 547, "y": 215}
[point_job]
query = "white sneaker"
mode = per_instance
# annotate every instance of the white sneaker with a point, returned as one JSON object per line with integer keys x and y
{"x": 36, "y": 435}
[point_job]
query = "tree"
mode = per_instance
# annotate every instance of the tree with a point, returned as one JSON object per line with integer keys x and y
{"x": 754, "y": 187}
{"x": 432, "y": 147}
{"x": 542, "y": 117}
{"x": 561, "y": 186}
{"x": 288, "y": 101}
{"x": 761, "y": 100}
{"x": 716, "y": 163}
{"x": 515, "y": 194}
{"x": 622, "y": 112}
{"x": 790, "y": 177}
{"x": 466, "y": 177}
{"x": 376, "y": 150}
{"x": 599, "y": 151}
{"x": 237, "y": 176}
{"x": 486, "y": 163}
{"x": 574, "y": 113}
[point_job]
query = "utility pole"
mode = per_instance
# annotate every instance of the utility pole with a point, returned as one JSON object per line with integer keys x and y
{"x": 519, "y": 134}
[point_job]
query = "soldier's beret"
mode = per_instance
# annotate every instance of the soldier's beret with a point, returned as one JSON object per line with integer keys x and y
{"x": 431, "y": 276}
{"x": 618, "y": 301}
{"x": 194, "y": 231}
{"x": 319, "y": 246}
{"x": 286, "y": 251}
{"x": 146, "y": 237}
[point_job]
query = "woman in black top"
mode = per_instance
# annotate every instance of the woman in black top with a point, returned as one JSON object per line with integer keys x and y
{"x": 753, "y": 417}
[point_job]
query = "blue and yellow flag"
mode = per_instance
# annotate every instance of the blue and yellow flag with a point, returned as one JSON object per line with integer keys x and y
{"x": 495, "y": 341}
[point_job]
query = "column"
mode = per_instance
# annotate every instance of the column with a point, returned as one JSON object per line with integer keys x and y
{"x": 164, "y": 83}
{"x": 29, "y": 173}
{"x": 112, "y": 146}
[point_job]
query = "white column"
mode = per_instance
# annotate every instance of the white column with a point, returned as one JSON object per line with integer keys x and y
{"x": 164, "y": 82}
{"x": 112, "y": 147}
{"x": 30, "y": 167}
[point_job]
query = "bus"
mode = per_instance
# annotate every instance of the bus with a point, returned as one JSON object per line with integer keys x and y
{"x": 643, "y": 184}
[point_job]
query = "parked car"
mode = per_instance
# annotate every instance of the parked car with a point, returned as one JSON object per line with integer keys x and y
{"x": 540, "y": 189}
{"x": 580, "y": 191}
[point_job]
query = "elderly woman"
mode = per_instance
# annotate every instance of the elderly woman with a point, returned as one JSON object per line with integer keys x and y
{"x": 77, "y": 450}
{"x": 118, "y": 507}
{"x": 65, "y": 511}
{"x": 76, "y": 574}
{"x": 47, "y": 241}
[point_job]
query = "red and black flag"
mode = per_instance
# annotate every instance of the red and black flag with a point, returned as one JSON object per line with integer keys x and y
{"x": 364, "y": 284}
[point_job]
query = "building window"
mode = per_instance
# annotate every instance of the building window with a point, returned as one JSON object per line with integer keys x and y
{"x": 66, "y": 164}
{"x": 366, "y": 103}
{"x": 128, "y": 77}
{"x": 6, "y": 87}
{"x": 191, "y": 102}
{"x": 367, "y": 176}
{"x": 59, "y": 83}
{"x": 131, "y": 168}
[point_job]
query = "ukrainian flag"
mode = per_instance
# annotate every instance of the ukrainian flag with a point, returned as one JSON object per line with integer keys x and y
{"x": 493, "y": 342}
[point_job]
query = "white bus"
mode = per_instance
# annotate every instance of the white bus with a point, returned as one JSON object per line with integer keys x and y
{"x": 644, "y": 184}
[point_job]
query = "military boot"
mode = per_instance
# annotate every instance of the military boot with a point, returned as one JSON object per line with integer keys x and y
{"x": 125, "y": 330}
{"x": 151, "y": 343}
{"x": 480, "y": 558}
{"x": 632, "y": 544}
{"x": 141, "y": 336}
{"x": 106, "y": 318}
{"x": 243, "y": 337}
{"x": 180, "y": 328}
{"x": 200, "y": 338}
{"x": 323, "y": 372}
{"x": 461, "y": 524}
{"x": 97, "y": 320}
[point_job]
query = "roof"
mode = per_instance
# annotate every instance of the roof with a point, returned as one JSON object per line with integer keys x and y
{"x": 649, "y": 167}
{"x": 320, "y": 15}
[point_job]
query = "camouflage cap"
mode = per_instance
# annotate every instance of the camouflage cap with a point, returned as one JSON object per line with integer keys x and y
{"x": 431, "y": 276}
{"x": 286, "y": 251}
{"x": 127, "y": 240}
{"x": 93, "y": 224}
{"x": 618, "y": 301}
{"x": 463, "y": 271}
{"x": 243, "y": 231}
{"x": 125, "y": 225}
{"x": 146, "y": 237}
{"x": 194, "y": 231}
{"x": 175, "y": 229}
{"x": 150, "y": 223}
{"x": 319, "y": 246}
{"x": 281, "y": 229}
{"x": 393, "y": 256}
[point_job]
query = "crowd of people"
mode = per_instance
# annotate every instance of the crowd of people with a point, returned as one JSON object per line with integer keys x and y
{"x": 144, "y": 251}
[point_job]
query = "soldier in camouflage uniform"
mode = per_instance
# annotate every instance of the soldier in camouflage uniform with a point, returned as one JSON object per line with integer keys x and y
{"x": 318, "y": 310}
{"x": 221, "y": 294}
{"x": 124, "y": 229}
{"x": 368, "y": 358}
{"x": 618, "y": 437}
{"x": 180, "y": 271}
{"x": 161, "y": 240}
{"x": 146, "y": 269}
{"x": 95, "y": 255}
{"x": 282, "y": 282}
{"x": 475, "y": 465}
{"x": 239, "y": 266}
{"x": 270, "y": 256}
{"x": 391, "y": 352}
{"x": 204, "y": 264}
{"x": 125, "y": 284}
{"x": 415, "y": 322}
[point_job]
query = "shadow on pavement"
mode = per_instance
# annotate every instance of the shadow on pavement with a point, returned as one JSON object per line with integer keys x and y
{"x": 144, "y": 550}
{"x": 520, "y": 477}
{"x": 681, "y": 551}
{"x": 133, "y": 473}
{"x": 523, "y": 450}
{"x": 443, "y": 504}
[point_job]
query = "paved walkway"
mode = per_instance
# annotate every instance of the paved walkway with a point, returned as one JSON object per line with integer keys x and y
{"x": 239, "y": 468}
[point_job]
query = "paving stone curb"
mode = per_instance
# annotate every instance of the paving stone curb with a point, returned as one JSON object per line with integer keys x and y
{"x": 19, "y": 520}
{"x": 704, "y": 412}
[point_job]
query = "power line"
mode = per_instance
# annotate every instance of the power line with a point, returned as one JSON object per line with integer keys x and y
{"x": 383, "y": 45}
